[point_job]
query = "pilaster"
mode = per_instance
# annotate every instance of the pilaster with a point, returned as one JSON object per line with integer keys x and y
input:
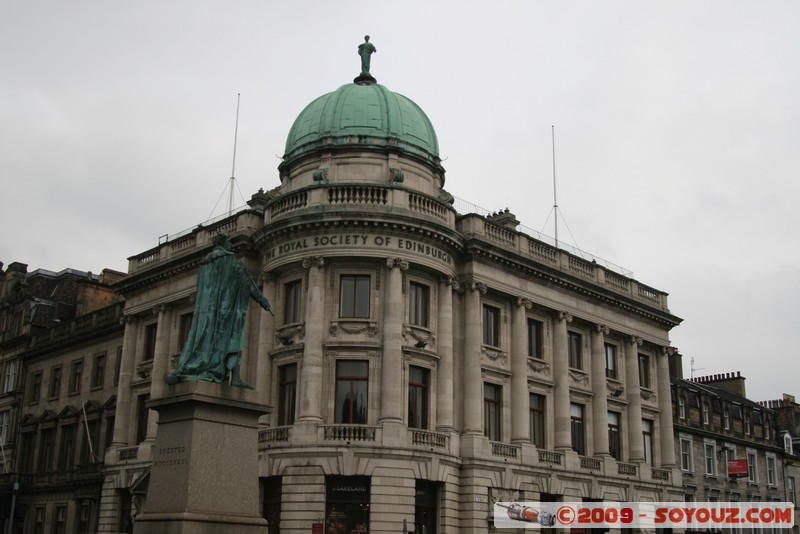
{"x": 634, "y": 420}
{"x": 599, "y": 391}
{"x": 122, "y": 420}
{"x": 445, "y": 396}
{"x": 161, "y": 356}
{"x": 391, "y": 363}
{"x": 563, "y": 434}
{"x": 266, "y": 342}
{"x": 311, "y": 368}
{"x": 665, "y": 408}
{"x": 473, "y": 387}
{"x": 520, "y": 400}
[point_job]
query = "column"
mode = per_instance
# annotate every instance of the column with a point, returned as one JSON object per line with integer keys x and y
{"x": 473, "y": 383}
{"x": 122, "y": 420}
{"x": 161, "y": 356}
{"x": 266, "y": 342}
{"x": 563, "y": 432}
{"x": 599, "y": 391}
{"x": 444, "y": 344}
{"x": 634, "y": 420}
{"x": 520, "y": 397}
{"x": 665, "y": 408}
{"x": 392, "y": 361}
{"x": 311, "y": 368}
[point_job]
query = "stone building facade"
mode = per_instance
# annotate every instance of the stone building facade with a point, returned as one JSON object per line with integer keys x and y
{"x": 422, "y": 363}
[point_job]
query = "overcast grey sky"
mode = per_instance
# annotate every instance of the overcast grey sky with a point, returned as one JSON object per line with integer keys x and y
{"x": 677, "y": 129}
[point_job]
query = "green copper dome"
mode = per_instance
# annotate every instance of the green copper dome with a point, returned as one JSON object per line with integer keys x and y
{"x": 364, "y": 115}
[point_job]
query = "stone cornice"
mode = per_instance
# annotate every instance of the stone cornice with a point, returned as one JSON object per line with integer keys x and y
{"x": 546, "y": 274}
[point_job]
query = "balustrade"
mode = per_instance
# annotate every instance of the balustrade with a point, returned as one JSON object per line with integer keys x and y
{"x": 648, "y": 293}
{"x": 271, "y": 435}
{"x": 501, "y": 235}
{"x": 429, "y": 439}
{"x": 504, "y": 450}
{"x": 427, "y": 206}
{"x": 592, "y": 464}
{"x": 356, "y": 194}
{"x": 617, "y": 282}
{"x": 551, "y": 457}
{"x": 288, "y": 203}
{"x": 626, "y": 469}
{"x": 660, "y": 474}
{"x": 581, "y": 267}
{"x": 349, "y": 433}
{"x": 543, "y": 251}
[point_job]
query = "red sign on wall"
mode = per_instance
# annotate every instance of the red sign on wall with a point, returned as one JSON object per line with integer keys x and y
{"x": 737, "y": 468}
{"x": 316, "y": 528}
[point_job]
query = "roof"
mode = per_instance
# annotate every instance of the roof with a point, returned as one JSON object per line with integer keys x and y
{"x": 366, "y": 113}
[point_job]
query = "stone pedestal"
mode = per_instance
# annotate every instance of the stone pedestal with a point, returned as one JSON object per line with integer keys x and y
{"x": 204, "y": 475}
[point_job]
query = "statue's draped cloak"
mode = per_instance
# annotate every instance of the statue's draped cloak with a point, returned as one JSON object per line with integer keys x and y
{"x": 224, "y": 288}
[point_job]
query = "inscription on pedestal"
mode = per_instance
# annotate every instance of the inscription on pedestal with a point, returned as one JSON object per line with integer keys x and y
{"x": 170, "y": 456}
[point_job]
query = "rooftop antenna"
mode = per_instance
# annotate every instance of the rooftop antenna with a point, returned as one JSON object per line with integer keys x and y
{"x": 555, "y": 197}
{"x": 232, "y": 181}
{"x": 233, "y": 165}
{"x": 555, "y": 209}
{"x": 692, "y": 368}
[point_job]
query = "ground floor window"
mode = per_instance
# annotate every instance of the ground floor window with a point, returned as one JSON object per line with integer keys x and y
{"x": 271, "y": 503}
{"x": 426, "y": 497}
{"x": 347, "y": 505}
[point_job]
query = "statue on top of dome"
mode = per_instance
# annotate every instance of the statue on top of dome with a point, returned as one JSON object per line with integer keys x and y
{"x": 365, "y": 50}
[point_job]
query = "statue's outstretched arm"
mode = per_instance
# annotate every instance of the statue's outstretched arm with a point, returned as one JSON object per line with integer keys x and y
{"x": 258, "y": 296}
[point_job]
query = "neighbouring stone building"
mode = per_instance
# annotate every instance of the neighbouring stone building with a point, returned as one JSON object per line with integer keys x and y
{"x": 787, "y": 414}
{"x": 727, "y": 445}
{"x": 422, "y": 363}
{"x": 59, "y": 334}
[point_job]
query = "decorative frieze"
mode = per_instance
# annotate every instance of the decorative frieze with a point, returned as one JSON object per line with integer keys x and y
{"x": 539, "y": 366}
{"x": 288, "y": 335}
{"x": 497, "y": 356}
{"x": 615, "y": 389}
{"x": 578, "y": 378}
{"x": 416, "y": 335}
{"x": 354, "y": 327}
{"x": 648, "y": 395}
